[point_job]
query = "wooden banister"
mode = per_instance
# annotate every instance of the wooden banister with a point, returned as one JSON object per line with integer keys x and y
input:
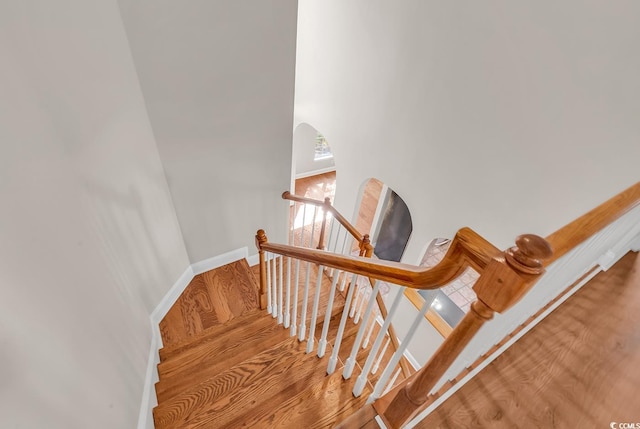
{"x": 574, "y": 233}
{"x": 467, "y": 249}
{"x": 326, "y": 205}
{"x": 505, "y": 279}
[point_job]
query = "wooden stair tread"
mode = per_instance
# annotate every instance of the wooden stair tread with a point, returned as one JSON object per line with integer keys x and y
{"x": 211, "y": 298}
{"x": 223, "y": 397}
{"x": 253, "y": 318}
{"x": 320, "y": 405}
{"x": 206, "y": 362}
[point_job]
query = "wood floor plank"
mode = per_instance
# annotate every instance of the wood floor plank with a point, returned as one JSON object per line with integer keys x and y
{"x": 203, "y": 363}
{"x": 257, "y": 317}
{"x": 222, "y": 398}
{"x": 579, "y": 367}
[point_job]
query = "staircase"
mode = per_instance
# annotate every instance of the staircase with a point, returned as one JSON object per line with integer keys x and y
{"x": 226, "y": 363}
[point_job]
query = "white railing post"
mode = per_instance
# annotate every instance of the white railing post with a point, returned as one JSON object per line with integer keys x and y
{"x": 322, "y": 344}
{"x": 314, "y": 313}
{"x": 351, "y": 361}
{"x": 333, "y": 360}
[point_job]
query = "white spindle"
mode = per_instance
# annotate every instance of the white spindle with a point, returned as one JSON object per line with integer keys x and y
{"x": 365, "y": 298}
{"x": 314, "y": 313}
{"x": 330, "y": 233}
{"x": 380, "y": 356}
{"x": 392, "y": 382}
{"x": 372, "y": 325}
{"x": 343, "y": 283}
{"x": 274, "y": 288}
{"x": 377, "y": 390}
{"x": 351, "y": 361}
{"x": 322, "y": 344}
{"x": 267, "y": 260}
{"x": 292, "y": 237}
{"x": 296, "y": 286}
{"x": 333, "y": 360}
{"x": 344, "y": 241}
{"x": 287, "y": 310}
{"x": 305, "y": 299}
{"x": 356, "y": 300}
{"x": 304, "y": 219}
{"x": 280, "y": 300}
{"x": 313, "y": 226}
{"x": 362, "y": 379}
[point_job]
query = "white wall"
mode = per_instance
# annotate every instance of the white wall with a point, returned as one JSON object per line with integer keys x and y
{"x": 507, "y": 117}
{"x": 218, "y": 80}
{"x": 304, "y": 151}
{"x": 89, "y": 241}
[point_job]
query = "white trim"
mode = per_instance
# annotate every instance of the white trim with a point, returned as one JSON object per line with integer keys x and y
{"x": 253, "y": 260}
{"x": 499, "y": 351}
{"x": 412, "y": 360}
{"x": 149, "y": 400}
{"x": 315, "y": 172}
{"x": 171, "y": 297}
{"x": 220, "y": 260}
{"x": 635, "y": 245}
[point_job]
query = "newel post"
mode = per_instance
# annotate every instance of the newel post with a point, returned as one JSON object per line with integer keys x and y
{"x": 261, "y": 238}
{"x": 327, "y": 204}
{"x": 502, "y": 283}
{"x": 366, "y": 248}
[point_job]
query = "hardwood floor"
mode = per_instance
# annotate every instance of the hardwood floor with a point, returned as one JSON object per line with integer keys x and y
{"x": 211, "y": 298}
{"x": 228, "y": 364}
{"x": 578, "y": 368}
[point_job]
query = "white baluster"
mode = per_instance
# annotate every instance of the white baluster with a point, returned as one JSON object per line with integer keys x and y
{"x": 303, "y": 317}
{"x": 343, "y": 283}
{"x": 365, "y": 298}
{"x": 292, "y": 236}
{"x": 351, "y": 361}
{"x": 313, "y": 227}
{"x": 333, "y": 360}
{"x": 267, "y": 260}
{"x": 392, "y": 382}
{"x": 377, "y": 390}
{"x": 274, "y": 288}
{"x": 372, "y": 325}
{"x": 304, "y": 219}
{"x": 362, "y": 379}
{"x": 280, "y": 300}
{"x": 287, "y": 314}
{"x": 356, "y": 300}
{"x": 314, "y": 313}
{"x": 294, "y": 316}
{"x": 380, "y": 356}
{"x": 322, "y": 344}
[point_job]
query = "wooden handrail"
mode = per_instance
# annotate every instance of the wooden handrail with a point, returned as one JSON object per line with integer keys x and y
{"x": 326, "y": 205}
{"x": 467, "y": 249}
{"x": 503, "y": 282}
{"x": 576, "y": 232}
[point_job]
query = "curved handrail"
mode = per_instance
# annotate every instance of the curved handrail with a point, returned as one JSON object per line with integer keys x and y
{"x": 467, "y": 249}
{"x": 326, "y": 205}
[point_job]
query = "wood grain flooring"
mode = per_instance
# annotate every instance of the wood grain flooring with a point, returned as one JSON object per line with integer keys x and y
{"x": 578, "y": 368}
{"x": 211, "y": 298}
{"x": 230, "y": 366}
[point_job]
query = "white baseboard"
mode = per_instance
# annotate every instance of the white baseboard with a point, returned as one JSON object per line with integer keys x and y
{"x": 220, "y": 260}
{"x": 315, "y": 172}
{"x": 253, "y": 260}
{"x": 149, "y": 401}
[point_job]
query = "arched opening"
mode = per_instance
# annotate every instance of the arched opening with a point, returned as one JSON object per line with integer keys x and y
{"x": 313, "y": 163}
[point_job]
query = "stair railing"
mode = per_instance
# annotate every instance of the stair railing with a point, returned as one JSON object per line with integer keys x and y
{"x": 505, "y": 277}
{"x": 341, "y": 237}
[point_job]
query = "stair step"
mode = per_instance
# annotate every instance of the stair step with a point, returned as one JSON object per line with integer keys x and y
{"x": 256, "y": 319}
{"x": 230, "y": 393}
{"x": 202, "y": 363}
{"x": 320, "y": 405}
{"x": 211, "y": 298}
